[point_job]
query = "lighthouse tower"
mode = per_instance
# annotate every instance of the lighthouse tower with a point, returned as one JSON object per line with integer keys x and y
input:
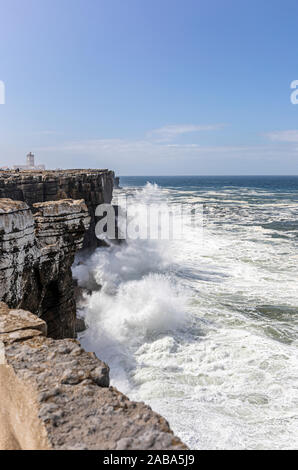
{"x": 30, "y": 160}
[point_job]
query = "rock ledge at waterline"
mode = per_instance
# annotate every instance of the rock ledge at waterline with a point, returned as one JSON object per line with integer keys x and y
{"x": 55, "y": 395}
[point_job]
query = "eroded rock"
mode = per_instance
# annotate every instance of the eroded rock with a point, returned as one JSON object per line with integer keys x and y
{"x": 94, "y": 186}
{"x": 36, "y": 254}
{"x": 55, "y": 395}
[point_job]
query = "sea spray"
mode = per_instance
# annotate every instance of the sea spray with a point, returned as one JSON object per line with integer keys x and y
{"x": 134, "y": 299}
{"x": 206, "y": 333}
{"x": 137, "y": 313}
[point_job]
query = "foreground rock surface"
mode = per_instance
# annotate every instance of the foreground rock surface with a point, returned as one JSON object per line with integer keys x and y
{"x": 55, "y": 395}
{"x": 94, "y": 186}
{"x": 36, "y": 254}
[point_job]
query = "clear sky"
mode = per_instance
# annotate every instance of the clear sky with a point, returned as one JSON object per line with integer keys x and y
{"x": 150, "y": 87}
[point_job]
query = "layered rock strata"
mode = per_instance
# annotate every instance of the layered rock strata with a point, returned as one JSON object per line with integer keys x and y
{"x": 94, "y": 186}
{"x": 36, "y": 254}
{"x": 55, "y": 395}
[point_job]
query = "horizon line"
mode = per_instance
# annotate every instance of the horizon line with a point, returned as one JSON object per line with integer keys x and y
{"x": 210, "y": 175}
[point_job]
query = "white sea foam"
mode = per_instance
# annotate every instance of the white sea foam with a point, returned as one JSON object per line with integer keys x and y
{"x": 204, "y": 331}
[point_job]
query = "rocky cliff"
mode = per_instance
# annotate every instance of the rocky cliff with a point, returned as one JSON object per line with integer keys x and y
{"x": 55, "y": 395}
{"x": 37, "y": 251}
{"x": 94, "y": 186}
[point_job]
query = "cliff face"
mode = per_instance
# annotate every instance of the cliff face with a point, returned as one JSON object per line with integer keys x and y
{"x": 41, "y": 229}
{"x": 54, "y": 395}
{"x": 36, "y": 254}
{"x": 94, "y": 186}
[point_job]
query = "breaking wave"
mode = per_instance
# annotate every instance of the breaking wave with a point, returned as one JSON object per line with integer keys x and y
{"x": 204, "y": 333}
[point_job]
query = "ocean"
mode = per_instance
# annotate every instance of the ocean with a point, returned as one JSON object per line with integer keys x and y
{"x": 204, "y": 328}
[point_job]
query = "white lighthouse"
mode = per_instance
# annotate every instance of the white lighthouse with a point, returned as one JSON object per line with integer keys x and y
{"x": 30, "y": 160}
{"x": 30, "y": 164}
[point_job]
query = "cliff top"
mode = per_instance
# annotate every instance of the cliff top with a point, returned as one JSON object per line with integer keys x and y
{"x": 8, "y": 205}
{"x": 74, "y": 171}
{"x": 95, "y": 186}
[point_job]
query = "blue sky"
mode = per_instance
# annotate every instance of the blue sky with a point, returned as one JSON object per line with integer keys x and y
{"x": 150, "y": 87}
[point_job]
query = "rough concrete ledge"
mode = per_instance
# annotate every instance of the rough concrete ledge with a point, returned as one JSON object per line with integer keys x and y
{"x": 55, "y": 395}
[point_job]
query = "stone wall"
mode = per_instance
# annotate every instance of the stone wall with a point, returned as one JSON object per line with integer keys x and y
{"x": 36, "y": 254}
{"x": 55, "y": 395}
